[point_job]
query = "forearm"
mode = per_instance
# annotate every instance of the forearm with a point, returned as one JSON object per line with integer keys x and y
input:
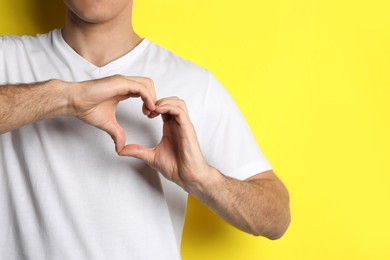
{"x": 259, "y": 207}
{"x": 27, "y": 103}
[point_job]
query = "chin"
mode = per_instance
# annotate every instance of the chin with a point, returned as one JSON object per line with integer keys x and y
{"x": 95, "y": 11}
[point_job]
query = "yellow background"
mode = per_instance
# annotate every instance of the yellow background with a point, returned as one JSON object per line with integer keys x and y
{"x": 312, "y": 78}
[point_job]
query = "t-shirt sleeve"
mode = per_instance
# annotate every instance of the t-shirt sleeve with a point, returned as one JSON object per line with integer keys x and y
{"x": 226, "y": 140}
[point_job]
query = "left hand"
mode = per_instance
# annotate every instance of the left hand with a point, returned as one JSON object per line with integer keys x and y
{"x": 259, "y": 205}
{"x": 178, "y": 156}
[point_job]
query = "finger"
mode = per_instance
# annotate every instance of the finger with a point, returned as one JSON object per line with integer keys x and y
{"x": 175, "y": 108}
{"x": 122, "y": 97}
{"x": 163, "y": 101}
{"x": 148, "y": 113}
{"x": 145, "y": 89}
{"x": 117, "y": 134}
{"x": 172, "y": 101}
{"x": 145, "y": 110}
{"x": 139, "y": 152}
{"x": 153, "y": 114}
{"x": 132, "y": 87}
{"x": 145, "y": 93}
{"x": 168, "y": 112}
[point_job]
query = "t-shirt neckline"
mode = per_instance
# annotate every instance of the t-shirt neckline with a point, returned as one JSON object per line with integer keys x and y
{"x": 127, "y": 59}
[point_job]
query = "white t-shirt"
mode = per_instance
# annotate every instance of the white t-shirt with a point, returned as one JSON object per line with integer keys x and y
{"x": 66, "y": 194}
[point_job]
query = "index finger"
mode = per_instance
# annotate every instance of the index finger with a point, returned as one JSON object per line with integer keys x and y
{"x": 144, "y": 88}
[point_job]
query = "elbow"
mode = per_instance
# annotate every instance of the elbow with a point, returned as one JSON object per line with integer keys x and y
{"x": 272, "y": 217}
{"x": 278, "y": 218}
{"x": 274, "y": 224}
{"x": 279, "y": 229}
{"x": 275, "y": 229}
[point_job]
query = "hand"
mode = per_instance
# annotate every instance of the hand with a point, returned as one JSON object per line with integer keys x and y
{"x": 178, "y": 156}
{"x": 95, "y": 102}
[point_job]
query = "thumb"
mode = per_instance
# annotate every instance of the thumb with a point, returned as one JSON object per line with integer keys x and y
{"x": 139, "y": 152}
{"x": 117, "y": 134}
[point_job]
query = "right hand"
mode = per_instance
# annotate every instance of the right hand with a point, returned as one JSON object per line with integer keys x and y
{"x": 95, "y": 102}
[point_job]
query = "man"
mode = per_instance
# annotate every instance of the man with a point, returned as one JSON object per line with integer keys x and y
{"x": 66, "y": 195}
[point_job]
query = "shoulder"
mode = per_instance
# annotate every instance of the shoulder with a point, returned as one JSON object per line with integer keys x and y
{"x": 25, "y": 58}
{"x": 26, "y": 42}
{"x": 170, "y": 64}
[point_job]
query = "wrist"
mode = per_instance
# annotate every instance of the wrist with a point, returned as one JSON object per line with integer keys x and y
{"x": 62, "y": 100}
{"x": 209, "y": 182}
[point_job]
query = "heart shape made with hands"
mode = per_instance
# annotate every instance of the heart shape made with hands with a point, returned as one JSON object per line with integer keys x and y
{"x": 177, "y": 156}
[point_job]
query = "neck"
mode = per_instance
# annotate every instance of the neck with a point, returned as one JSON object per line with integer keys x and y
{"x": 100, "y": 43}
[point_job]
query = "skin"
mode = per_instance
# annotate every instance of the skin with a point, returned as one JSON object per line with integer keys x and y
{"x": 258, "y": 205}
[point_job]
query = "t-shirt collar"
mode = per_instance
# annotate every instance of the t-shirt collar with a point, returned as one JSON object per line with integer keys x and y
{"x": 70, "y": 53}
